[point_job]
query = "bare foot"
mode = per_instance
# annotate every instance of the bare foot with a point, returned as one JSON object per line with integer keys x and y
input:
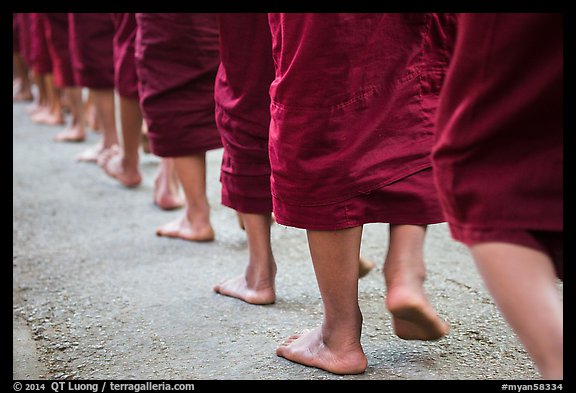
{"x": 183, "y": 229}
{"x": 167, "y": 187}
{"x": 70, "y": 135}
{"x": 116, "y": 167}
{"x": 413, "y": 317}
{"x": 106, "y": 154}
{"x": 310, "y": 349}
{"x": 91, "y": 154}
{"x": 22, "y": 96}
{"x": 34, "y": 108}
{"x": 237, "y": 287}
{"x": 48, "y": 118}
{"x": 39, "y": 115}
{"x": 365, "y": 267}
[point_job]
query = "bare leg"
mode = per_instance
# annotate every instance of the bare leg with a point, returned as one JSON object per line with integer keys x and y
{"x": 522, "y": 282}
{"x": 256, "y": 285}
{"x": 75, "y": 132}
{"x": 53, "y": 115}
{"x": 144, "y": 139}
{"x": 92, "y": 153}
{"x": 106, "y": 114}
{"x": 42, "y": 100}
{"x": 241, "y": 221}
{"x": 413, "y": 317}
{"x": 167, "y": 186}
{"x": 195, "y": 225}
{"x": 365, "y": 267}
{"x": 90, "y": 111}
{"x": 124, "y": 166}
{"x": 335, "y": 345}
{"x": 24, "y": 92}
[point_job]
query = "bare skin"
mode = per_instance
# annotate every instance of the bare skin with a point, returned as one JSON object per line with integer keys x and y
{"x": 335, "y": 345}
{"x": 240, "y": 221}
{"x": 106, "y": 114}
{"x": 52, "y": 113}
{"x": 75, "y": 131}
{"x": 90, "y": 118}
{"x": 104, "y": 105}
{"x": 144, "y": 141}
{"x": 523, "y": 283}
{"x": 257, "y": 284}
{"x": 91, "y": 154}
{"x": 413, "y": 317}
{"x": 124, "y": 166}
{"x": 365, "y": 267}
{"x": 195, "y": 225}
{"x": 24, "y": 87}
{"x": 120, "y": 168}
{"x": 167, "y": 186}
{"x": 41, "y": 99}
{"x": 70, "y": 134}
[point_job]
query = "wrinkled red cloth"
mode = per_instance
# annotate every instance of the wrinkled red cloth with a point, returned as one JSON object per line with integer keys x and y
{"x": 15, "y": 33}
{"x": 125, "y": 77}
{"x": 40, "y": 60}
{"x": 243, "y": 111}
{"x": 498, "y": 158}
{"x": 177, "y": 59}
{"x": 92, "y": 49}
{"x": 24, "y": 39}
{"x": 353, "y": 109}
{"x": 58, "y": 39}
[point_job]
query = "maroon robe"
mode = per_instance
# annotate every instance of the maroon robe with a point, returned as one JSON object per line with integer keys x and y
{"x": 58, "y": 39}
{"x": 176, "y": 61}
{"x": 352, "y": 117}
{"x": 125, "y": 77}
{"x": 243, "y": 111}
{"x": 40, "y": 60}
{"x": 92, "y": 49}
{"x": 24, "y": 39}
{"x": 15, "y": 33}
{"x": 498, "y": 158}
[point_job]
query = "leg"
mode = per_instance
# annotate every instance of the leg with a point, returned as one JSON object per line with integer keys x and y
{"x": 167, "y": 186}
{"x": 75, "y": 132}
{"x": 335, "y": 345}
{"x": 144, "y": 139}
{"x": 256, "y": 285}
{"x": 41, "y": 101}
{"x": 523, "y": 284}
{"x": 241, "y": 221}
{"x": 106, "y": 114}
{"x": 41, "y": 106}
{"x": 53, "y": 114}
{"x": 195, "y": 225}
{"x": 24, "y": 92}
{"x": 413, "y": 317}
{"x": 90, "y": 111}
{"x": 124, "y": 166}
{"x": 365, "y": 267}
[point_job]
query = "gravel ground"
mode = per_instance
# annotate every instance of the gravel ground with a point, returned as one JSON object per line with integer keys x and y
{"x": 96, "y": 295}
